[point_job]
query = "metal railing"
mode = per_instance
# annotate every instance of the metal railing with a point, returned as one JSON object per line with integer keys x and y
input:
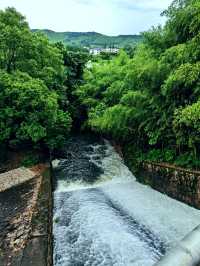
{"x": 186, "y": 253}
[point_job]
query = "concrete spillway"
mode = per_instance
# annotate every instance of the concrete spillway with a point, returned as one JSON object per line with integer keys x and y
{"x": 104, "y": 217}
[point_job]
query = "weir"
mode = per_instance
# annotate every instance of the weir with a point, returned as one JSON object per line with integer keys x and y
{"x": 103, "y": 216}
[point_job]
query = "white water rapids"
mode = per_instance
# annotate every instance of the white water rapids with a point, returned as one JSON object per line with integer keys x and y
{"x": 116, "y": 220}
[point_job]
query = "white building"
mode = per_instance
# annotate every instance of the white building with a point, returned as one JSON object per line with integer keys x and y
{"x": 97, "y": 51}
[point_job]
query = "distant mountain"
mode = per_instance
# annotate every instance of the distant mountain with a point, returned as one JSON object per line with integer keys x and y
{"x": 90, "y": 39}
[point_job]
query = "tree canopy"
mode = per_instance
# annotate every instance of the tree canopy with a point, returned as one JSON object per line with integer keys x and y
{"x": 147, "y": 97}
{"x": 151, "y": 99}
{"x": 36, "y": 81}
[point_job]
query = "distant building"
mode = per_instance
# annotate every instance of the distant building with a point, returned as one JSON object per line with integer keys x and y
{"x": 97, "y": 51}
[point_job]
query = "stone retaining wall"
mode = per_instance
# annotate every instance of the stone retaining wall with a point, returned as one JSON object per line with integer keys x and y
{"x": 178, "y": 183}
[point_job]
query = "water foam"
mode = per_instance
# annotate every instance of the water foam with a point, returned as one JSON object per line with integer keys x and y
{"x": 115, "y": 171}
{"x": 116, "y": 220}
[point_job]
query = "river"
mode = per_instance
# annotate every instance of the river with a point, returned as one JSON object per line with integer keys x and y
{"x": 104, "y": 217}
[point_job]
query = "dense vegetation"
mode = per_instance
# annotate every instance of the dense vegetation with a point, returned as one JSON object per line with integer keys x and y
{"x": 151, "y": 102}
{"x": 91, "y": 39}
{"x": 35, "y": 80}
{"x": 147, "y": 97}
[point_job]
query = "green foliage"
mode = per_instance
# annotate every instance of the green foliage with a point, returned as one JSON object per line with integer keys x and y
{"x": 182, "y": 84}
{"x": 147, "y": 97}
{"x": 37, "y": 81}
{"x": 151, "y": 97}
{"x": 158, "y": 155}
{"x": 30, "y": 160}
{"x": 184, "y": 20}
{"x": 75, "y": 61}
{"x": 187, "y": 159}
{"x": 187, "y": 126}
{"x": 15, "y": 37}
{"x": 30, "y": 111}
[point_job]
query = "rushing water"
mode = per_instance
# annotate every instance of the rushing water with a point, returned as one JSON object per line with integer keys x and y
{"x": 104, "y": 217}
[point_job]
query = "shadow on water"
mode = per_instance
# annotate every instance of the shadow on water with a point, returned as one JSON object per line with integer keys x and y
{"x": 74, "y": 159}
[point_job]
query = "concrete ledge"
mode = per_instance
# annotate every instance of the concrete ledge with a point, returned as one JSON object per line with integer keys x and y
{"x": 15, "y": 177}
{"x": 26, "y": 218}
{"x": 38, "y": 251}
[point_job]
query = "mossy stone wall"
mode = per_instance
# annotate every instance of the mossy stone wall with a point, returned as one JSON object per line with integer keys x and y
{"x": 178, "y": 183}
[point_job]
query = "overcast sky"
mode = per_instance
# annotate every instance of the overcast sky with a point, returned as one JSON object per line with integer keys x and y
{"x": 110, "y": 17}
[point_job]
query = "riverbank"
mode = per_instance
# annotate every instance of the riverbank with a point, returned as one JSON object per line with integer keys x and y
{"x": 25, "y": 203}
{"x": 177, "y": 182}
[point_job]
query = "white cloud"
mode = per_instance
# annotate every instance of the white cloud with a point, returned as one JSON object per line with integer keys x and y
{"x": 131, "y": 4}
{"x": 146, "y": 4}
{"x": 105, "y": 16}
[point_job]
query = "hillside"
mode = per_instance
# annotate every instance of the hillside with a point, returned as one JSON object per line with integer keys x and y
{"x": 91, "y": 39}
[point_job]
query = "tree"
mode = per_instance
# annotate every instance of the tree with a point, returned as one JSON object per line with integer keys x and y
{"x": 152, "y": 98}
{"x": 20, "y": 49}
{"x": 29, "y": 112}
{"x": 15, "y": 38}
{"x": 187, "y": 126}
{"x": 31, "y": 86}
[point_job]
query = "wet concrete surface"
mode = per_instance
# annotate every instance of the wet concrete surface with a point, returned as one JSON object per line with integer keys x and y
{"x": 14, "y": 230}
{"x": 24, "y": 223}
